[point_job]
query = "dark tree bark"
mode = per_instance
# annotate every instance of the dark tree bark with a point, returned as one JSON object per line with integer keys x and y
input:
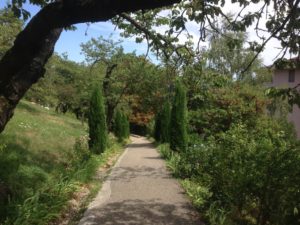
{"x": 24, "y": 63}
{"x": 13, "y": 88}
{"x": 110, "y": 108}
{"x": 111, "y": 105}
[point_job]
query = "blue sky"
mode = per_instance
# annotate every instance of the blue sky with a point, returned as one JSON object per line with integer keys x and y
{"x": 70, "y": 41}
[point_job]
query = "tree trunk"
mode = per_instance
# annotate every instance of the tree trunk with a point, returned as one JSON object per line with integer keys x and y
{"x": 109, "y": 105}
{"x": 24, "y": 63}
{"x": 14, "y": 87}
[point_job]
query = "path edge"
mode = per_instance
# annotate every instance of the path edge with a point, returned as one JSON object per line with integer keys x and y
{"x": 103, "y": 194}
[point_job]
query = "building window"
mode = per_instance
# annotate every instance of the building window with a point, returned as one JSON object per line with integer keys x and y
{"x": 291, "y": 76}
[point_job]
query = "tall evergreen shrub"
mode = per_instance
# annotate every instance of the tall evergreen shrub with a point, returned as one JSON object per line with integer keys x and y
{"x": 178, "y": 122}
{"x": 165, "y": 123}
{"x": 121, "y": 126}
{"x": 97, "y": 122}
{"x": 157, "y": 127}
{"x": 118, "y": 125}
{"x": 126, "y": 126}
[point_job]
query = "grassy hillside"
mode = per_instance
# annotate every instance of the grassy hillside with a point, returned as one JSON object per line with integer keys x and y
{"x": 31, "y": 120}
{"x": 43, "y": 160}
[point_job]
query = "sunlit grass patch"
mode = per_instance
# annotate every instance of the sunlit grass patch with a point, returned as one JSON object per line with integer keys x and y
{"x": 44, "y": 159}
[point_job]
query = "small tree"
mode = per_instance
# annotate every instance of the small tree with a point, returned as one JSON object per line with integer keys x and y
{"x": 97, "y": 122}
{"x": 165, "y": 123}
{"x": 178, "y": 122}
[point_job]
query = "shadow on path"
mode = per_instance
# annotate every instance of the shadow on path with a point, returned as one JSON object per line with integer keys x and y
{"x": 141, "y": 146}
{"x": 141, "y": 191}
{"x": 126, "y": 174}
{"x": 129, "y": 212}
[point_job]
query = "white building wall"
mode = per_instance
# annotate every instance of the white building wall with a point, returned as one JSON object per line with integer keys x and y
{"x": 281, "y": 80}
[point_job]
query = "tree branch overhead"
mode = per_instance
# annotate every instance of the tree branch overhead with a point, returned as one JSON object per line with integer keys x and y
{"x": 29, "y": 47}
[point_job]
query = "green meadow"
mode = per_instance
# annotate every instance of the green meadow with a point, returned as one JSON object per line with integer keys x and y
{"x": 44, "y": 160}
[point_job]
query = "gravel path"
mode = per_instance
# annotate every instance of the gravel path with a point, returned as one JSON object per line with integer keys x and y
{"x": 140, "y": 191}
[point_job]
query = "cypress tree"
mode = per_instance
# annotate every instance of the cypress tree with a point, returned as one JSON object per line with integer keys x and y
{"x": 126, "y": 127}
{"x": 157, "y": 127}
{"x": 121, "y": 127}
{"x": 97, "y": 122}
{"x": 118, "y": 125}
{"x": 165, "y": 123}
{"x": 178, "y": 122}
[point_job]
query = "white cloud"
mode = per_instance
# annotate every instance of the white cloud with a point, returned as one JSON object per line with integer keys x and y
{"x": 273, "y": 47}
{"x": 107, "y": 29}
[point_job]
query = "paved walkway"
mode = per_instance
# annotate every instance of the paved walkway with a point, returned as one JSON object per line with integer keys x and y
{"x": 140, "y": 191}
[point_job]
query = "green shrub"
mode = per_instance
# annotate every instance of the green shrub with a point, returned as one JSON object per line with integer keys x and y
{"x": 97, "y": 122}
{"x": 118, "y": 125}
{"x": 240, "y": 167}
{"x": 121, "y": 126}
{"x": 164, "y": 150}
{"x": 178, "y": 121}
{"x": 225, "y": 107}
{"x": 173, "y": 158}
{"x": 150, "y": 128}
{"x": 197, "y": 192}
{"x": 157, "y": 127}
{"x": 125, "y": 127}
{"x": 80, "y": 153}
{"x": 87, "y": 170}
{"x": 165, "y": 123}
{"x": 217, "y": 215}
{"x": 252, "y": 174}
